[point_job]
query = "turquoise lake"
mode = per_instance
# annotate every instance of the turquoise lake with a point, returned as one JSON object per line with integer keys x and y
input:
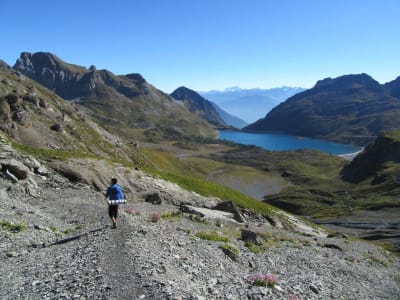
{"x": 281, "y": 142}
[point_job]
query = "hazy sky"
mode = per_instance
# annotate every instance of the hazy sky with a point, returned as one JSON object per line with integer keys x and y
{"x": 211, "y": 44}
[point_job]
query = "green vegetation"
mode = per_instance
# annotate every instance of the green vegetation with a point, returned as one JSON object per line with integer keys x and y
{"x": 17, "y": 227}
{"x": 50, "y": 153}
{"x": 212, "y": 236}
{"x": 72, "y": 230}
{"x": 254, "y": 248}
{"x": 207, "y": 188}
{"x": 231, "y": 248}
{"x": 171, "y": 215}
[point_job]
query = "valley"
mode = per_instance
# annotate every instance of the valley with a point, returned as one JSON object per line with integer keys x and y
{"x": 200, "y": 150}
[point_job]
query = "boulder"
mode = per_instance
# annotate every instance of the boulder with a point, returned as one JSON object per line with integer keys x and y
{"x": 56, "y": 127}
{"x": 10, "y": 176}
{"x": 251, "y": 237}
{"x": 32, "y": 98}
{"x": 21, "y": 117}
{"x": 15, "y": 167}
{"x": 32, "y": 163}
{"x": 5, "y": 112}
{"x": 12, "y": 99}
{"x": 230, "y": 207}
{"x": 43, "y": 103}
{"x": 153, "y": 198}
{"x": 71, "y": 174}
{"x": 42, "y": 171}
{"x": 218, "y": 216}
{"x": 231, "y": 254}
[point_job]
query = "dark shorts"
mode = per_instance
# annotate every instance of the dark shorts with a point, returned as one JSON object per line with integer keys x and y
{"x": 113, "y": 211}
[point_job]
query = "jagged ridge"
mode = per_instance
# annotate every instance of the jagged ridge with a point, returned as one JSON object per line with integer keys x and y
{"x": 114, "y": 100}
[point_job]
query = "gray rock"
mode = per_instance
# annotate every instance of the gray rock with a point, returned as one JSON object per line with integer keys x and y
{"x": 12, "y": 254}
{"x": 43, "y": 171}
{"x": 229, "y": 206}
{"x": 314, "y": 289}
{"x": 57, "y": 127}
{"x": 32, "y": 98}
{"x": 21, "y": 117}
{"x": 251, "y": 237}
{"x": 17, "y": 168}
{"x": 153, "y": 198}
{"x": 231, "y": 254}
{"x": 208, "y": 214}
{"x": 10, "y": 176}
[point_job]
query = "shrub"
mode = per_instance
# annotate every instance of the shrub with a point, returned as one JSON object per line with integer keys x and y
{"x": 268, "y": 280}
{"x": 132, "y": 211}
{"x": 253, "y": 248}
{"x": 17, "y": 227}
{"x": 155, "y": 216}
{"x": 212, "y": 236}
{"x": 170, "y": 215}
{"x": 230, "y": 247}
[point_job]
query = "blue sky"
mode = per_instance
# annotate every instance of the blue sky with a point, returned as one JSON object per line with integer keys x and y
{"x": 211, "y": 44}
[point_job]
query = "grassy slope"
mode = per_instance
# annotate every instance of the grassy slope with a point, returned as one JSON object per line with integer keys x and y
{"x": 192, "y": 173}
{"x": 317, "y": 188}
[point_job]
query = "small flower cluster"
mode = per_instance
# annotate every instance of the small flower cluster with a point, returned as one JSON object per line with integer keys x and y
{"x": 155, "y": 216}
{"x": 132, "y": 211}
{"x": 269, "y": 280}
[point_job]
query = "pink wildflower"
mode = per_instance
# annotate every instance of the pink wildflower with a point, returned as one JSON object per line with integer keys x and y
{"x": 268, "y": 280}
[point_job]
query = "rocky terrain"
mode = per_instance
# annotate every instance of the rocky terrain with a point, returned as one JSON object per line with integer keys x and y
{"x": 57, "y": 243}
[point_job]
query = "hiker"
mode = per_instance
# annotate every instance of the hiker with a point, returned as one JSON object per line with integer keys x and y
{"x": 114, "y": 192}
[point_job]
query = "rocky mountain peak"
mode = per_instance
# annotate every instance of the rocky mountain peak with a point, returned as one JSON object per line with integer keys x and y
{"x": 183, "y": 93}
{"x": 394, "y": 87}
{"x": 197, "y": 104}
{"x": 352, "y": 109}
{"x": 52, "y": 72}
{"x": 136, "y": 76}
{"x": 352, "y": 81}
{"x": 4, "y": 65}
{"x": 112, "y": 98}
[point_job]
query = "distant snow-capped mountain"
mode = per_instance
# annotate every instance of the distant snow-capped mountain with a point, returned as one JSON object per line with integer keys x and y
{"x": 250, "y": 104}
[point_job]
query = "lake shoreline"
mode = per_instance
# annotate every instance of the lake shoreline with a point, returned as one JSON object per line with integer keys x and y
{"x": 273, "y": 141}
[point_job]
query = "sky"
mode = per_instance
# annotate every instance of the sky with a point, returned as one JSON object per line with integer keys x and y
{"x": 211, "y": 44}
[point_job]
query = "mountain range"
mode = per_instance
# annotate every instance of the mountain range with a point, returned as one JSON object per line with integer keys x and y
{"x": 250, "y": 104}
{"x": 351, "y": 109}
{"x": 116, "y": 101}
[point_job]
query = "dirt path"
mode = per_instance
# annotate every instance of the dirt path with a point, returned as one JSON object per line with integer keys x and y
{"x": 119, "y": 262}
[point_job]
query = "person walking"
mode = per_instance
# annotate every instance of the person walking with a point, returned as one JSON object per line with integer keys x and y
{"x": 115, "y": 196}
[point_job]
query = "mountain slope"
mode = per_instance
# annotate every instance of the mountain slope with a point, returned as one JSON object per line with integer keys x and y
{"x": 250, "y": 104}
{"x": 379, "y": 162}
{"x": 58, "y": 232}
{"x": 125, "y": 101}
{"x": 40, "y": 121}
{"x": 228, "y": 118}
{"x": 349, "y": 109}
{"x": 198, "y": 105}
